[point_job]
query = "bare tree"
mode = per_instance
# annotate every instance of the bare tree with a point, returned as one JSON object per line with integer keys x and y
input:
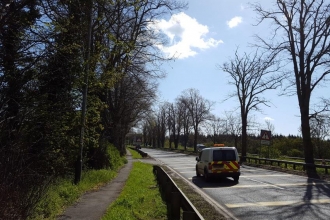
{"x": 233, "y": 126}
{"x": 198, "y": 108}
{"x": 252, "y": 75}
{"x": 161, "y": 125}
{"x": 215, "y": 127}
{"x": 269, "y": 126}
{"x": 175, "y": 122}
{"x": 185, "y": 121}
{"x": 305, "y": 29}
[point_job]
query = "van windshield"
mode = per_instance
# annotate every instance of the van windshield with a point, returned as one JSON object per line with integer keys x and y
{"x": 227, "y": 155}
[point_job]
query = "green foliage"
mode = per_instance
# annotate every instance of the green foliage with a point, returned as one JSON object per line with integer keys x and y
{"x": 286, "y": 144}
{"x": 105, "y": 156}
{"x": 134, "y": 153}
{"x": 269, "y": 152}
{"x": 64, "y": 193}
{"x": 295, "y": 153}
{"x": 140, "y": 198}
{"x": 115, "y": 160}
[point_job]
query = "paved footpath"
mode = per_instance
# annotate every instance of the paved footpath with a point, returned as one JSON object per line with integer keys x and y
{"x": 93, "y": 205}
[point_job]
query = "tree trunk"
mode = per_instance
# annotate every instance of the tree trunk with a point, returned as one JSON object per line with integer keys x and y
{"x": 195, "y": 140}
{"x": 307, "y": 141}
{"x": 244, "y": 137}
{"x": 176, "y": 142}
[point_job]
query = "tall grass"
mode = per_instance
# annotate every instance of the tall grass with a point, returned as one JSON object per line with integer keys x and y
{"x": 140, "y": 198}
{"x": 63, "y": 192}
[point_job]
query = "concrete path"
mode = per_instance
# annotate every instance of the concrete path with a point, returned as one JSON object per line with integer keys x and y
{"x": 93, "y": 205}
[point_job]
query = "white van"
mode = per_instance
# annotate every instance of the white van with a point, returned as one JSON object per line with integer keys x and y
{"x": 218, "y": 161}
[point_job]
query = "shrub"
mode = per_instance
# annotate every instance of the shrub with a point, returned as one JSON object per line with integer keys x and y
{"x": 295, "y": 153}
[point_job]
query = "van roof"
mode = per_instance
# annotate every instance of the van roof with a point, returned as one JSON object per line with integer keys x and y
{"x": 220, "y": 148}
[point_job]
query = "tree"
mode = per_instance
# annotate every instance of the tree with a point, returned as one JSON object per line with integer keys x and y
{"x": 252, "y": 75}
{"x": 185, "y": 121}
{"x": 161, "y": 125}
{"x": 171, "y": 119}
{"x": 130, "y": 52}
{"x": 22, "y": 180}
{"x": 233, "y": 126}
{"x": 269, "y": 126}
{"x": 305, "y": 29}
{"x": 198, "y": 109}
{"x": 215, "y": 126}
{"x": 320, "y": 129}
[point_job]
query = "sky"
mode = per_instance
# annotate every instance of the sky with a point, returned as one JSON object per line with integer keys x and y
{"x": 205, "y": 36}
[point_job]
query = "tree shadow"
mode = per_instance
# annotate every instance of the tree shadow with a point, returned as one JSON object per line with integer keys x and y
{"x": 309, "y": 206}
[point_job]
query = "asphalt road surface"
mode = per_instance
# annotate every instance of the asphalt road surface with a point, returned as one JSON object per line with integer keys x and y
{"x": 260, "y": 193}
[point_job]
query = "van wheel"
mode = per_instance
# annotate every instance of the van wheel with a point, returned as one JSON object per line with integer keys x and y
{"x": 206, "y": 176}
{"x": 197, "y": 173}
{"x": 236, "y": 178}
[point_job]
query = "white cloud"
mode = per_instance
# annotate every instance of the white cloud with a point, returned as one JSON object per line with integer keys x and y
{"x": 234, "y": 22}
{"x": 186, "y": 36}
{"x": 268, "y": 119}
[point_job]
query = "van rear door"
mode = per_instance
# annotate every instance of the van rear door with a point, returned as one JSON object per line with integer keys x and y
{"x": 225, "y": 160}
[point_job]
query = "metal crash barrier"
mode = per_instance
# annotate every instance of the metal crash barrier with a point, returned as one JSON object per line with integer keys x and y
{"x": 272, "y": 162}
{"x": 179, "y": 206}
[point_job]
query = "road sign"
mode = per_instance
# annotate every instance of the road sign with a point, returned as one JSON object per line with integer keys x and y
{"x": 265, "y": 137}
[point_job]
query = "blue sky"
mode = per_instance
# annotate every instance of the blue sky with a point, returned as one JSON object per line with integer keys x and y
{"x": 206, "y": 35}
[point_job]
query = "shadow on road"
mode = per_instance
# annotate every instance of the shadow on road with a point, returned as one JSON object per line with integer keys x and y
{"x": 213, "y": 183}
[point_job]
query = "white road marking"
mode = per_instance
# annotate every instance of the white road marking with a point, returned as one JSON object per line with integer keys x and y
{"x": 279, "y": 203}
{"x": 180, "y": 168}
{"x": 273, "y": 185}
{"x": 277, "y": 175}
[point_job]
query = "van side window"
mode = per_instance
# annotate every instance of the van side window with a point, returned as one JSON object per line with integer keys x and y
{"x": 203, "y": 155}
{"x": 226, "y": 155}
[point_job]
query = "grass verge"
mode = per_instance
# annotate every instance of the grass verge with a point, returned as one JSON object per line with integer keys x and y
{"x": 135, "y": 154}
{"x": 63, "y": 192}
{"x": 140, "y": 198}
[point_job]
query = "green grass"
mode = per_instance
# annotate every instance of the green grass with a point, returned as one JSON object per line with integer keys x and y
{"x": 140, "y": 198}
{"x": 64, "y": 193}
{"x": 135, "y": 154}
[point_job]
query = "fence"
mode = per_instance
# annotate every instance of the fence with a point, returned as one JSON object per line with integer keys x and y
{"x": 179, "y": 206}
{"x": 280, "y": 162}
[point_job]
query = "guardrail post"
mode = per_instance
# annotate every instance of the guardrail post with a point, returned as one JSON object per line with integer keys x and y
{"x": 168, "y": 190}
{"x": 175, "y": 205}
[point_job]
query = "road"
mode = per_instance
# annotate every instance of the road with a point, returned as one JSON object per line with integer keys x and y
{"x": 260, "y": 193}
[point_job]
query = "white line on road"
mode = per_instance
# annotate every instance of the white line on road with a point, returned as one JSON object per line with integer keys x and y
{"x": 279, "y": 203}
{"x": 277, "y": 175}
{"x": 276, "y": 185}
{"x": 180, "y": 168}
{"x": 273, "y": 185}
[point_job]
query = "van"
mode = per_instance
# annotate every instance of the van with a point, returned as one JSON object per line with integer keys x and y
{"x": 218, "y": 162}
